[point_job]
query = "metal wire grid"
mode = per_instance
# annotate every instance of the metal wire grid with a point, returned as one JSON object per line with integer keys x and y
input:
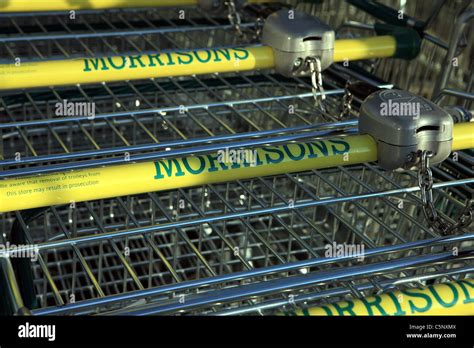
{"x": 228, "y": 248}
{"x": 421, "y": 74}
{"x": 220, "y": 243}
{"x": 34, "y": 111}
{"x": 96, "y": 33}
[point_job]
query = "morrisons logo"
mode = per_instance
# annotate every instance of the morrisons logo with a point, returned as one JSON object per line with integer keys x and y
{"x": 411, "y": 301}
{"x": 215, "y": 55}
{"x": 196, "y": 165}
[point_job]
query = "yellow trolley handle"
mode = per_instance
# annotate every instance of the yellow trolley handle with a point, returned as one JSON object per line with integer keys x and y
{"x": 168, "y": 64}
{"x": 127, "y": 179}
{"x": 451, "y": 298}
{"x": 392, "y": 41}
{"x": 67, "y": 5}
{"x": 288, "y": 46}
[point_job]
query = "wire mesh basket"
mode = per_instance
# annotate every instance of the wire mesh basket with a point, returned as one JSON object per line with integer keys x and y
{"x": 252, "y": 246}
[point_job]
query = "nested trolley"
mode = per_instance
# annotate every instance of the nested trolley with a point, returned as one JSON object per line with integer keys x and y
{"x": 254, "y": 245}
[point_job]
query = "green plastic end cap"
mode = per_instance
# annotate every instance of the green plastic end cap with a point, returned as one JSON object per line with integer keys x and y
{"x": 408, "y": 40}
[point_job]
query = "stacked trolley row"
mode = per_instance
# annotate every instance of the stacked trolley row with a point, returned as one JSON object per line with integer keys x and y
{"x": 243, "y": 246}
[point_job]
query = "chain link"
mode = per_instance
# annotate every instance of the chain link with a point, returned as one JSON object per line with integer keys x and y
{"x": 234, "y": 17}
{"x": 425, "y": 182}
{"x": 259, "y": 23}
{"x": 346, "y": 102}
{"x": 319, "y": 94}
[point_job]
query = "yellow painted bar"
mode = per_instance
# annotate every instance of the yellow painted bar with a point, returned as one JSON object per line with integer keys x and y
{"x": 127, "y": 179}
{"x": 364, "y": 48}
{"x": 98, "y": 183}
{"x": 180, "y": 63}
{"x": 66, "y": 5}
{"x": 451, "y": 298}
{"x": 120, "y": 68}
{"x": 463, "y": 136}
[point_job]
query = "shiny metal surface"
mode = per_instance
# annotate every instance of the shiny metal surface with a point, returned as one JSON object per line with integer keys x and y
{"x": 241, "y": 247}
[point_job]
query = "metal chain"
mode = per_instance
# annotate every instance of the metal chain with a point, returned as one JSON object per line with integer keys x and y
{"x": 425, "y": 182}
{"x": 314, "y": 64}
{"x": 258, "y": 28}
{"x": 234, "y": 17}
{"x": 346, "y": 102}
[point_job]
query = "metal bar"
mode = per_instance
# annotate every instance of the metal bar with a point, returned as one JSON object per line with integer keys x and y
{"x": 11, "y": 301}
{"x": 364, "y": 48}
{"x": 66, "y": 5}
{"x": 161, "y": 110}
{"x": 451, "y": 298}
{"x": 240, "y": 214}
{"x": 182, "y": 241}
{"x": 456, "y": 32}
{"x": 136, "y": 32}
{"x": 121, "y": 180}
{"x": 341, "y": 291}
{"x": 167, "y": 153}
{"x": 175, "y": 63}
{"x": 282, "y": 284}
{"x": 463, "y": 136}
{"x": 249, "y": 274}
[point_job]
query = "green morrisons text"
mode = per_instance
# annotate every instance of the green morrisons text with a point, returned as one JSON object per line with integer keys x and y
{"x": 265, "y": 156}
{"x": 213, "y": 55}
{"x": 376, "y": 305}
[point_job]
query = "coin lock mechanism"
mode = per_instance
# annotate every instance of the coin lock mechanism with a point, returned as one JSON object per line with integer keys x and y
{"x": 404, "y": 124}
{"x": 295, "y": 37}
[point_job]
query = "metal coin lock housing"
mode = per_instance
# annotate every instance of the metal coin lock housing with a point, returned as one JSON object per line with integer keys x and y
{"x": 294, "y": 37}
{"x": 403, "y": 124}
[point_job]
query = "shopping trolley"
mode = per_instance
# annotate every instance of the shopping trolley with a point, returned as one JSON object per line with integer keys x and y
{"x": 251, "y": 243}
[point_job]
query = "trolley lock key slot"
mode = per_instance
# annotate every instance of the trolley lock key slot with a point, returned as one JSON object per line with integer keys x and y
{"x": 296, "y": 37}
{"x": 404, "y": 125}
{"x": 411, "y": 130}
